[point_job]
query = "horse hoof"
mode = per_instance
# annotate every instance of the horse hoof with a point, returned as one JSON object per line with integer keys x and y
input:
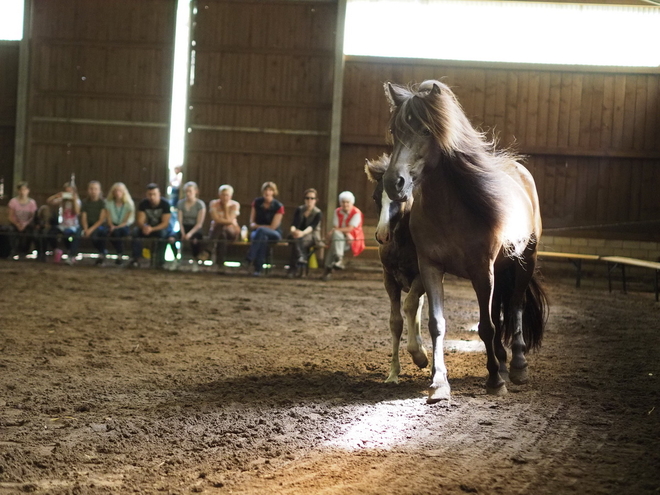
{"x": 504, "y": 375}
{"x": 420, "y": 359}
{"x": 392, "y": 379}
{"x": 438, "y": 394}
{"x": 498, "y": 390}
{"x": 519, "y": 376}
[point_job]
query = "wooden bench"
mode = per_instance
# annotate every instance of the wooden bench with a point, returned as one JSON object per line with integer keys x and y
{"x": 622, "y": 262}
{"x": 574, "y": 258}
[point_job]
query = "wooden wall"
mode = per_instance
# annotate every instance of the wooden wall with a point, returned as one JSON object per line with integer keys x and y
{"x": 262, "y": 96}
{"x": 100, "y": 92}
{"x": 8, "y": 86}
{"x": 592, "y": 136}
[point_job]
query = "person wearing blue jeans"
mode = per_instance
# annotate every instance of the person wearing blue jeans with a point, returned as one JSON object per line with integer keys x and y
{"x": 67, "y": 225}
{"x": 93, "y": 216}
{"x": 153, "y": 222}
{"x": 121, "y": 215}
{"x": 265, "y": 222}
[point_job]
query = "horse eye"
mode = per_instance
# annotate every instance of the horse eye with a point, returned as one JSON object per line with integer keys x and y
{"x": 426, "y": 131}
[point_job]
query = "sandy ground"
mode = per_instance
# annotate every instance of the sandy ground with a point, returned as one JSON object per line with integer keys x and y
{"x": 118, "y": 381}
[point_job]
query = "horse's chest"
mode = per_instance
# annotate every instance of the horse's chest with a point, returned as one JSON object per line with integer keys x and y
{"x": 399, "y": 259}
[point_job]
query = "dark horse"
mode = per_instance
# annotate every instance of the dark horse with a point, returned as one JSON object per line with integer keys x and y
{"x": 400, "y": 268}
{"x": 475, "y": 215}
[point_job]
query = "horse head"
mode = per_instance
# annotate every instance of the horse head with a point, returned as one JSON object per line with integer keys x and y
{"x": 389, "y": 212}
{"x": 425, "y": 123}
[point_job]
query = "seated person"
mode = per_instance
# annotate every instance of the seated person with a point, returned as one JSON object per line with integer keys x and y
{"x": 265, "y": 222}
{"x": 304, "y": 233}
{"x": 93, "y": 218}
{"x": 120, "y": 215}
{"x": 22, "y": 210}
{"x": 224, "y": 213}
{"x": 192, "y": 212}
{"x": 346, "y": 234}
{"x": 152, "y": 221}
{"x": 68, "y": 225}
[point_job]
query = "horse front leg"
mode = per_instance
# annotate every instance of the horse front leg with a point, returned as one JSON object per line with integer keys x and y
{"x": 432, "y": 278}
{"x": 396, "y": 325}
{"x": 484, "y": 286}
{"x": 412, "y": 307}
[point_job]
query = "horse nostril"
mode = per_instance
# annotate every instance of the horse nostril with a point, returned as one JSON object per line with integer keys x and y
{"x": 400, "y": 182}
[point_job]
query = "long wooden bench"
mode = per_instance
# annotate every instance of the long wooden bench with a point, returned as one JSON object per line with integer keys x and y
{"x": 574, "y": 258}
{"x": 622, "y": 262}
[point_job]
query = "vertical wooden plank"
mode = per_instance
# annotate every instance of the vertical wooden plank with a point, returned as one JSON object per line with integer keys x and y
{"x": 511, "y": 113}
{"x": 652, "y": 121}
{"x": 641, "y": 105}
{"x": 552, "y": 124}
{"x": 533, "y": 117}
{"x": 629, "y": 112}
{"x": 607, "y": 117}
{"x": 577, "y": 110}
{"x": 564, "y": 122}
{"x": 620, "y": 82}
{"x": 597, "y": 86}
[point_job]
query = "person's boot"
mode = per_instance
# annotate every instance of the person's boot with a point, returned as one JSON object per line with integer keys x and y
{"x": 327, "y": 274}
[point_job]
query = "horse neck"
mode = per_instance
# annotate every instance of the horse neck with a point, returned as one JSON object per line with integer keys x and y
{"x": 457, "y": 182}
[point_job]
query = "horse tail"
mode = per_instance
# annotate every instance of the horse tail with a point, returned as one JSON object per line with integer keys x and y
{"x": 535, "y": 309}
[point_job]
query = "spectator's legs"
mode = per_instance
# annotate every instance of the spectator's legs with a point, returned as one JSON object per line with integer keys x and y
{"x": 136, "y": 244}
{"x": 260, "y": 239}
{"x": 98, "y": 239}
{"x": 335, "y": 252}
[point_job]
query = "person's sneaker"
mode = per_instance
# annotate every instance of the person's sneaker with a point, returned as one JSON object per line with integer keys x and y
{"x": 99, "y": 261}
{"x": 70, "y": 260}
{"x": 327, "y": 274}
{"x": 339, "y": 265}
{"x": 133, "y": 263}
{"x": 195, "y": 266}
{"x": 258, "y": 274}
{"x": 173, "y": 266}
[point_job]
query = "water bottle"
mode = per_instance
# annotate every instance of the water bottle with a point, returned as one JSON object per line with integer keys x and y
{"x": 244, "y": 233}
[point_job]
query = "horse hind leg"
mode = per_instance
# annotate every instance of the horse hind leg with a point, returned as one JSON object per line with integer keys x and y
{"x": 412, "y": 307}
{"x": 519, "y": 368}
{"x": 496, "y": 316}
{"x": 484, "y": 287}
{"x": 396, "y": 327}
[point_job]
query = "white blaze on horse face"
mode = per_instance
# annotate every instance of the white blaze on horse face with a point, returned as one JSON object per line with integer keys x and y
{"x": 383, "y": 229}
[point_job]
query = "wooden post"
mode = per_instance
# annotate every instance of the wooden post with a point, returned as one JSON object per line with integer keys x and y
{"x": 20, "y": 140}
{"x": 335, "y": 127}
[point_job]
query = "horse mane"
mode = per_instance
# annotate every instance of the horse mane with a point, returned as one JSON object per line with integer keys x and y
{"x": 468, "y": 160}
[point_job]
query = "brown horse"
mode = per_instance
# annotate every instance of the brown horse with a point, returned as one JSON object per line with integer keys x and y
{"x": 475, "y": 215}
{"x": 400, "y": 268}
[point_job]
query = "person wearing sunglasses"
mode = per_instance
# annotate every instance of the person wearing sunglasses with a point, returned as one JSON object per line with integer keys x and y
{"x": 305, "y": 233}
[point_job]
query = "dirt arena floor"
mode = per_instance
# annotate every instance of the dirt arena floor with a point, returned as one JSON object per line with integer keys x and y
{"x": 119, "y": 381}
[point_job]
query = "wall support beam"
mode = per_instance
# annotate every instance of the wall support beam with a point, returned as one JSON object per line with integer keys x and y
{"x": 335, "y": 127}
{"x": 20, "y": 140}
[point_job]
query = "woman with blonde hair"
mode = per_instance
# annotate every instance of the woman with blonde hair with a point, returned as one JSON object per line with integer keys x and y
{"x": 224, "y": 213}
{"x": 121, "y": 215}
{"x": 191, "y": 211}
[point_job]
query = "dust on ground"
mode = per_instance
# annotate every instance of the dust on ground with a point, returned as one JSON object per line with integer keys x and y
{"x": 119, "y": 381}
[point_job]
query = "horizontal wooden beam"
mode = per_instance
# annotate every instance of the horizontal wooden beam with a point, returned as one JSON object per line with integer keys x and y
{"x": 100, "y": 145}
{"x": 532, "y": 150}
{"x": 258, "y": 130}
{"x": 120, "y": 123}
{"x": 500, "y": 65}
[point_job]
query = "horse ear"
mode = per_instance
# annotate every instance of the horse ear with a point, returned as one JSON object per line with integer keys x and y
{"x": 435, "y": 90}
{"x": 395, "y": 95}
{"x": 375, "y": 169}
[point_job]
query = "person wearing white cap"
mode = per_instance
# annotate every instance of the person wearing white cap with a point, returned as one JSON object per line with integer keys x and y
{"x": 346, "y": 234}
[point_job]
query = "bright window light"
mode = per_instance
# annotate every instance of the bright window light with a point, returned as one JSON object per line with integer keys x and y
{"x": 519, "y": 32}
{"x": 11, "y": 19}
{"x": 180, "y": 85}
